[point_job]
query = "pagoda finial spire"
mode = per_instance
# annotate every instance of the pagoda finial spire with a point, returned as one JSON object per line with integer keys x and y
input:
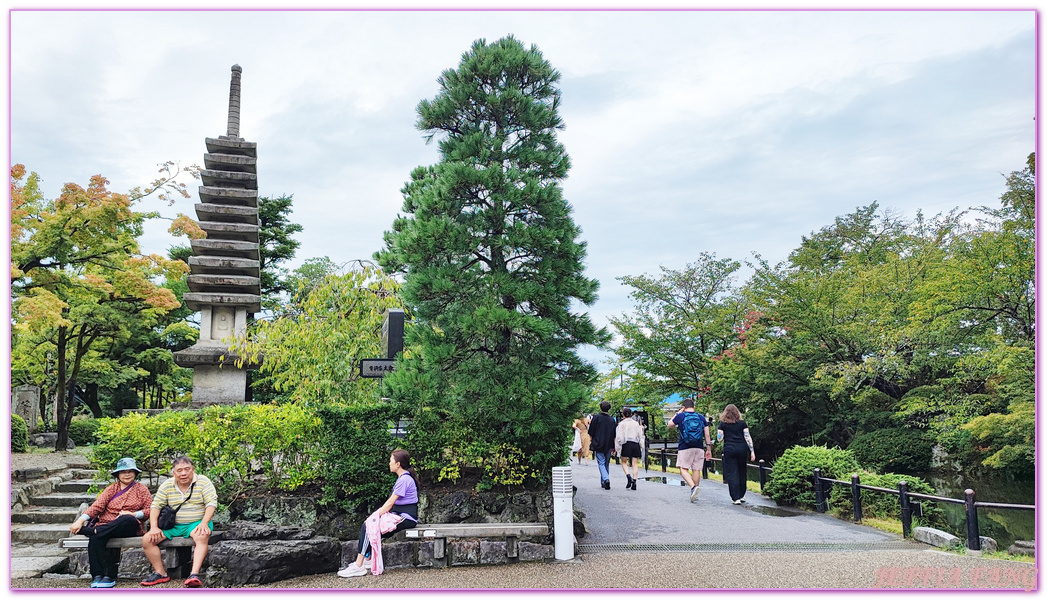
{"x": 234, "y": 103}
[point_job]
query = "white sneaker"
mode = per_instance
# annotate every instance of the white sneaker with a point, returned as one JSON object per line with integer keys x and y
{"x": 694, "y": 493}
{"x": 736, "y": 502}
{"x": 352, "y": 571}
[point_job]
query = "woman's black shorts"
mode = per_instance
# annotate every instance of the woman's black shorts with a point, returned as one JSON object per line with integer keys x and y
{"x": 631, "y": 450}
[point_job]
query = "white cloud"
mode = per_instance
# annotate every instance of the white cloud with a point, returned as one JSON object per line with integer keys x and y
{"x": 721, "y": 131}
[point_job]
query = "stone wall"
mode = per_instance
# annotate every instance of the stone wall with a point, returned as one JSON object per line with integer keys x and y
{"x": 433, "y": 507}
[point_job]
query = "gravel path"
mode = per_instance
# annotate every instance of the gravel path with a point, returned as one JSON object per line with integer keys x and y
{"x": 38, "y": 458}
{"x": 873, "y": 569}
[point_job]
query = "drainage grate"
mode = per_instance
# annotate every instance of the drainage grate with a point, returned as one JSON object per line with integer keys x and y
{"x": 748, "y": 547}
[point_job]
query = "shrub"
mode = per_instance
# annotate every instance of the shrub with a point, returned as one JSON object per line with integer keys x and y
{"x": 885, "y": 506}
{"x": 229, "y": 444}
{"x": 896, "y": 450}
{"x": 790, "y": 482}
{"x": 19, "y": 434}
{"x": 355, "y": 454}
{"x": 82, "y": 432}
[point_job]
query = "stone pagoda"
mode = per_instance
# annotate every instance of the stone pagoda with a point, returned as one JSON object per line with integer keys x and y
{"x": 224, "y": 269}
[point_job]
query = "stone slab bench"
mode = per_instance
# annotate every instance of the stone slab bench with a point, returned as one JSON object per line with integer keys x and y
{"x": 80, "y": 541}
{"x": 440, "y": 532}
{"x": 178, "y": 561}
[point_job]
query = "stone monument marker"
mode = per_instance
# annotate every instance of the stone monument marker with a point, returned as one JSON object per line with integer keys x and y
{"x": 224, "y": 269}
{"x": 25, "y": 402}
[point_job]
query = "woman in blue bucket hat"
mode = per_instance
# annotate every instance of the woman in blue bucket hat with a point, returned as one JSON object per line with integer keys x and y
{"x": 117, "y": 512}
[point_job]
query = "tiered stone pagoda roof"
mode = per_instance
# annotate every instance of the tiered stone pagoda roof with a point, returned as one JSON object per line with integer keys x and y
{"x": 225, "y": 266}
{"x": 224, "y": 270}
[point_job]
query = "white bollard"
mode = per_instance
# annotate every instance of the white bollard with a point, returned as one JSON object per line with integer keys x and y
{"x": 563, "y": 514}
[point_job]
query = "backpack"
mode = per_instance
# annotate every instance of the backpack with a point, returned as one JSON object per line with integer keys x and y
{"x": 692, "y": 429}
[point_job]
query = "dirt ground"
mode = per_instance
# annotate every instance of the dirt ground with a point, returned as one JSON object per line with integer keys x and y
{"x": 49, "y": 459}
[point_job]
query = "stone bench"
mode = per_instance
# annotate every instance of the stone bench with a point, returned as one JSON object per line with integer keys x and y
{"x": 178, "y": 561}
{"x": 438, "y": 533}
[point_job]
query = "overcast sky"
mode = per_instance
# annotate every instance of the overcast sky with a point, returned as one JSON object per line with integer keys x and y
{"x": 688, "y": 131}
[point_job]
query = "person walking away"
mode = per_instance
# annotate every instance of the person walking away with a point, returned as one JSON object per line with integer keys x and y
{"x": 399, "y": 512}
{"x": 581, "y": 438}
{"x": 694, "y": 446}
{"x": 194, "y": 499}
{"x": 117, "y": 512}
{"x": 601, "y": 441}
{"x": 737, "y": 445}
{"x": 628, "y": 444}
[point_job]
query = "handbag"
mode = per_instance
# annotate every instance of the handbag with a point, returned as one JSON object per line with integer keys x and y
{"x": 166, "y": 518}
{"x": 93, "y": 521}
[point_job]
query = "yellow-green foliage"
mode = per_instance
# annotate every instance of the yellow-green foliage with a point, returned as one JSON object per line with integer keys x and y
{"x": 501, "y": 464}
{"x": 312, "y": 353}
{"x": 229, "y": 444}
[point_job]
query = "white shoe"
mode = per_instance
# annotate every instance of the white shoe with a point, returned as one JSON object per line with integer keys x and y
{"x": 694, "y": 493}
{"x": 352, "y": 571}
{"x": 736, "y": 502}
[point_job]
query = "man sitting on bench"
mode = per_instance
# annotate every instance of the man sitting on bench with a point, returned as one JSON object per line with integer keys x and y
{"x": 195, "y": 500}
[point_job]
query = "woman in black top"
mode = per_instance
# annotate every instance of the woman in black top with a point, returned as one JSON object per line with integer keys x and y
{"x": 737, "y": 444}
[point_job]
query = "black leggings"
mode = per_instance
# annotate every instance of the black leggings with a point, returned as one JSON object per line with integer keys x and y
{"x": 106, "y": 561}
{"x": 365, "y": 543}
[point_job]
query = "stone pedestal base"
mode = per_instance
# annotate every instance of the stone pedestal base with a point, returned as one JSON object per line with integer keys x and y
{"x": 218, "y": 385}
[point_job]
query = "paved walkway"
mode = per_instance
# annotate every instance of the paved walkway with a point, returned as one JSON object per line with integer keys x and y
{"x": 660, "y": 511}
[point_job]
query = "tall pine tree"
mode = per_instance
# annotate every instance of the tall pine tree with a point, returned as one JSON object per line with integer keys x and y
{"x": 492, "y": 264}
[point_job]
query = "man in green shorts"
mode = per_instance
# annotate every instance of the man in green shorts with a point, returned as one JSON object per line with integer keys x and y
{"x": 195, "y": 499}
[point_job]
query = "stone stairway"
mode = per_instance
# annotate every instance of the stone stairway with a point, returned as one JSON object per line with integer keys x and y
{"x": 43, "y": 504}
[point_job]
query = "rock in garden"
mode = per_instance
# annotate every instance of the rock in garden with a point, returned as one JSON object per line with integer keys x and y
{"x": 241, "y": 562}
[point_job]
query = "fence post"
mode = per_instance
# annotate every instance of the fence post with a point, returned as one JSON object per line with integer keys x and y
{"x": 903, "y": 501}
{"x": 973, "y": 541}
{"x": 663, "y": 458}
{"x": 705, "y": 468}
{"x": 763, "y": 474}
{"x": 856, "y": 497}
{"x": 819, "y": 495}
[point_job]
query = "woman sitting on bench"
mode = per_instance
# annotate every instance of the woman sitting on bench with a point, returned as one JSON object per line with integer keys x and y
{"x": 399, "y": 512}
{"x": 117, "y": 512}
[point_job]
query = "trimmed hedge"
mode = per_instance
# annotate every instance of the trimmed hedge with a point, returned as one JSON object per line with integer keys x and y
{"x": 895, "y": 450}
{"x": 790, "y": 482}
{"x": 232, "y": 445}
{"x": 355, "y": 454}
{"x": 19, "y": 434}
{"x": 82, "y": 431}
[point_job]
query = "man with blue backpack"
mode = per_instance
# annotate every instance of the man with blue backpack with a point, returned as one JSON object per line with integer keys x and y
{"x": 695, "y": 445}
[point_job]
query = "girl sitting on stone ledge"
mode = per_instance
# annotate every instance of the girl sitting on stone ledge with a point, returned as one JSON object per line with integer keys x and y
{"x": 399, "y": 512}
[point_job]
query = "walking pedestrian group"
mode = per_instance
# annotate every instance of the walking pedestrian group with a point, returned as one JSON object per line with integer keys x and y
{"x": 626, "y": 439}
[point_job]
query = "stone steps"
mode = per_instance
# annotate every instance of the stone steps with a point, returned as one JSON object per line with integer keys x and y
{"x": 40, "y": 532}
{"x": 76, "y": 486}
{"x": 64, "y": 499}
{"x": 36, "y": 566}
{"x": 46, "y": 514}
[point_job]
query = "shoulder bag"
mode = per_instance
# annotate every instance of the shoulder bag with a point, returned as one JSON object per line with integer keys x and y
{"x": 91, "y": 523}
{"x": 166, "y": 519}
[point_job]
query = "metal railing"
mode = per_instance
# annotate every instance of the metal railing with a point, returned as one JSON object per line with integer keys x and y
{"x": 909, "y": 508}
